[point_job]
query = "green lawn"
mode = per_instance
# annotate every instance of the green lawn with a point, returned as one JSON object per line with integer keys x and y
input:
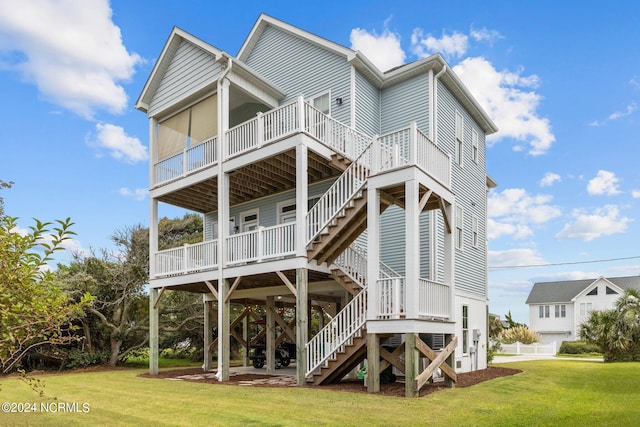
{"x": 549, "y": 392}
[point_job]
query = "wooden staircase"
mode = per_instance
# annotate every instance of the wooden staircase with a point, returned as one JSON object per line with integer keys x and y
{"x": 344, "y": 361}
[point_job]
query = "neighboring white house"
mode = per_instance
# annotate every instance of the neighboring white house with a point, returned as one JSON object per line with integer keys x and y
{"x": 556, "y": 309}
{"x": 351, "y": 194}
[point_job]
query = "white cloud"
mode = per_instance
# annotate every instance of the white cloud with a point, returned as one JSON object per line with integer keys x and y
{"x": 604, "y": 183}
{"x": 454, "y": 45}
{"x": 516, "y": 204}
{"x": 383, "y": 50}
{"x": 636, "y": 194}
{"x": 635, "y": 81}
{"x": 120, "y": 145}
{"x": 136, "y": 194}
{"x": 484, "y": 34}
{"x": 602, "y": 222}
{"x": 497, "y": 229}
{"x": 630, "y": 109}
{"x": 71, "y": 245}
{"x": 512, "y": 211}
{"x": 514, "y": 257}
{"x": 71, "y": 50}
{"x": 549, "y": 179}
{"x": 509, "y": 99}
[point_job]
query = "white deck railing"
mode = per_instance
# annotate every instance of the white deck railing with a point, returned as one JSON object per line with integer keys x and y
{"x": 189, "y": 160}
{"x": 346, "y": 325}
{"x": 263, "y": 243}
{"x": 390, "y": 297}
{"x": 410, "y": 146}
{"x": 343, "y": 139}
{"x": 187, "y": 259}
{"x": 434, "y": 299}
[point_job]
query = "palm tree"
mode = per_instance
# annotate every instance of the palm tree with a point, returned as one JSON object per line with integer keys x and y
{"x": 617, "y": 331}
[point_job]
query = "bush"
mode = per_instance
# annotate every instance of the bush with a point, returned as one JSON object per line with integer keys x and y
{"x": 578, "y": 347}
{"x": 520, "y": 334}
{"x": 79, "y": 359}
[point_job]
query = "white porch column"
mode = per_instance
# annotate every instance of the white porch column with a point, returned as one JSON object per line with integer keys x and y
{"x": 153, "y": 332}
{"x": 153, "y": 150}
{"x": 412, "y": 254}
{"x": 373, "y": 250}
{"x": 302, "y": 197}
{"x": 449, "y": 258}
{"x": 207, "y": 333}
{"x": 224, "y": 314}
{"x": 153, "y": 236}
{"x": 302, "y": 325}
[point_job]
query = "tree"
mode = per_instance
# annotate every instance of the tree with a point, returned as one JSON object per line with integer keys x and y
{"x": 118, "y": 315}
{"x": 3, "y": 184}
{"x": 617, "y": 331}
{"x": 33, "y": 310}
{"x": 116, "y": 324}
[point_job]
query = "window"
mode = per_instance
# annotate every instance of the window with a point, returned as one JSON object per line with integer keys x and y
{"x": 459, "y": 138}
{"x": 459, "y": 228}
{"x": 465, "y": 329}
{"x": 561, "y": 310}
{"x": 474, "y": 145}
{"x": 475, "y": 231}
{"x": 611, "y": 291}
{"x": 543, "y": 311}
{"x": 287, "y": 211}
{"x": 585, "y": 308}
{"x": 322, "y": 102}
{"x": 593, "y": 291}
{"x": 249, "y": 220}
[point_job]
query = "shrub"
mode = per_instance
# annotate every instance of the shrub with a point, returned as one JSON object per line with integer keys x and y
{"x": 519, "y": 333}
{"x": 79, "y": 359}
{"x": 578, "y": 347}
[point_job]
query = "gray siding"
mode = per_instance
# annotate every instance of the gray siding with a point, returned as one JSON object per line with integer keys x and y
{"x": 268, "y": 206}
{"x": 300, "y": 67}
{"x": 404, "y": 103}
{"x": 393, "y": 240}
{"x": 190, "y": 69}
{"x": 367, "y": 106}
{"x": 469, "y": 186}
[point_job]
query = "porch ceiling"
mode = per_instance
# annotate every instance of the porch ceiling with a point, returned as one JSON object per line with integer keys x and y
{"x": 265, "y": 177}
{"x": 264, "y": 280}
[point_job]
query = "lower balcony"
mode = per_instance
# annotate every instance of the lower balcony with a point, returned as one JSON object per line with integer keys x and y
{"x": 434, "y": 299}
{"x": 261, "y": 244}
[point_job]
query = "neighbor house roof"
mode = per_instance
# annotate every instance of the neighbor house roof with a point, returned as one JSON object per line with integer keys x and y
{"x": 565, "y": 291}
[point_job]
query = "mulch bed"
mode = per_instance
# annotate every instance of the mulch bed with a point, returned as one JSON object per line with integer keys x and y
{"x": 466, "y": 379}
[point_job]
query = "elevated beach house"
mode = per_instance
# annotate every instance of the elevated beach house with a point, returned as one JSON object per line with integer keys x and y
{"x": 354, "y": 196}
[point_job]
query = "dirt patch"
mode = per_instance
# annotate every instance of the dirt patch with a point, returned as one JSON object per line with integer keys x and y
{"x": 466, "y": 379}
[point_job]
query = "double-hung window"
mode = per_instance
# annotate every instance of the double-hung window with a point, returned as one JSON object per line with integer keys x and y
{"x": 459, "y": 138}
{"x": 459, "y": 227}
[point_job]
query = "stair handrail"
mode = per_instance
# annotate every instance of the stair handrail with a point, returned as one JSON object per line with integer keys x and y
{"x": 353, "y": 263}
{"x": 336, "y": 198}
{"x": 344, "y": 326}
{"x": 341, "y": 138}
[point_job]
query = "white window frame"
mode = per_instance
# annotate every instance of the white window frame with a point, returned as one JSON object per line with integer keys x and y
{"x": 282, "y": 216}
{"x": 312, "y": 100}
{"x": 459, "y": 228}
{"x": 243, "y": 223}
{"x": 474, "y": 145}
{"x": 474, "y": 229}
{"x": 459, "y": 137}
{"x": 465, "y": 329}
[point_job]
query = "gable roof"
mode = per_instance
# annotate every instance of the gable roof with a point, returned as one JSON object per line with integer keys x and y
{"x": 565, "y": 291}
{"x": 176, "y": 37}
{"x": 380, "y": 79}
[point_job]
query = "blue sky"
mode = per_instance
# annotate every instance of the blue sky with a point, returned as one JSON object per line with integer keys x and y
{"x": 560, "y": 79}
